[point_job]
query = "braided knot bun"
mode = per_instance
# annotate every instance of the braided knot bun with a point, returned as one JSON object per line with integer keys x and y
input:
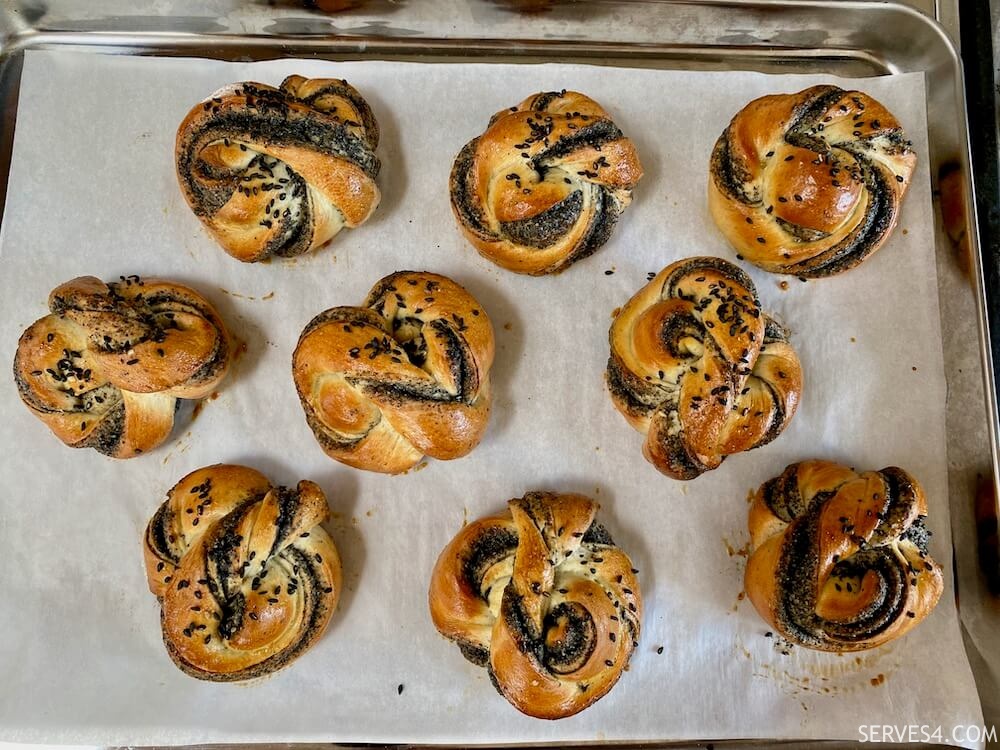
{"x": 839, "y": 559}
{"x": 810, "y": 183}
{"x": 406, "y": 374}
{"x": 700, "y": 369}
{"x": 545, "y": 184}
{"x": 246, "y": 577}
{"x": 105, "y": 369}
{"x": 279, "y": 171}
{"x": 543, "y": 598}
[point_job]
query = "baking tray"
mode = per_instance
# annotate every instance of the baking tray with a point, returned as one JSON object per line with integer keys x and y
{"x": 778, "y": 36}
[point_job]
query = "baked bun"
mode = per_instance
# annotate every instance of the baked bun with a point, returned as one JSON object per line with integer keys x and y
{"x": 406, "y": 374}
{"x": 246, "y": 577}
{"x": 700, "y": 369}
{"x": 810, "y": 183}
{"x": 105, "y": 369}
{"x": 543, "y": 599}
{"x": 279, "y": 171}
{"x": 839, "y": 559}
{"x": 545, "y": 184}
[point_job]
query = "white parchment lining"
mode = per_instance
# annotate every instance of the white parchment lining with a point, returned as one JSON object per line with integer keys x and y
{"x": 92, "y": 191}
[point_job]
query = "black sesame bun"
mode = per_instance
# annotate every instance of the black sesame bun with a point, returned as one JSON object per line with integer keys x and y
{"x": 106, "y": 367}
{"x": 811, "y": 183}
{"x": 839, "y": 559}
{"x": 246, "y": 577}
{"x": 545, "y": 184}
{"x": 543, "y": 598}
{"x": 279, "y": 171}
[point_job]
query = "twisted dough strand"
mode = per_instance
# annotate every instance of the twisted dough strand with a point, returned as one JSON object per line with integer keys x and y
{"x": 279, "y": 171}
{"x": 403, "y": 376}
{"x": 544, "y": 599}
{"x": 839, "y": 560}
{"x": 105, "y": 369}
{"x": 246, "y": 577}
{"x": 545, "y": 184}
{"x": 699, "y": 368}
{"x": 810, "y": 183}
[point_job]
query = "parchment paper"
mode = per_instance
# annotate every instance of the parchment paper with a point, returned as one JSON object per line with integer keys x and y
{"x": 92, "y": 191}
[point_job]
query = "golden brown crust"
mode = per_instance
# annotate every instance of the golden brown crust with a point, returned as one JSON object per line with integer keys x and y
{"x": 544, "y": 599}
{"x": 405, "y": 375}
{"x": 279, "y": 171}
{"x": 810, "y": 183}
{"x": 699, "y": 368}
{"x": 839, "y": 559}
{"x": 545, "y": 184}
{"x": 104, "y": 370}
{"x": 246, "y": 577}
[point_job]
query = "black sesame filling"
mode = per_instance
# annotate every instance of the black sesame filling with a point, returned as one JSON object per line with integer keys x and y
{"x": 569, "y": 637}
{"x": 548, "y": 227}
{"x": 494, "y": 544}
{"x": 676, "y": 329}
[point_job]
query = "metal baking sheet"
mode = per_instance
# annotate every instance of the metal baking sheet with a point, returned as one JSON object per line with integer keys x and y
{"x": 847, "y": 39}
